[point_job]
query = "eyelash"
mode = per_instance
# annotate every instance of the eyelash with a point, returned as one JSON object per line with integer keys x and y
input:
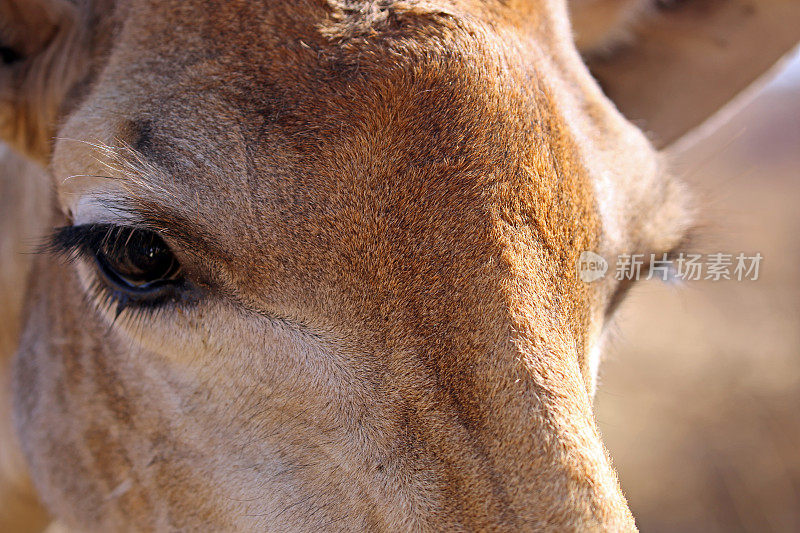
{"x": 89, "y": 242}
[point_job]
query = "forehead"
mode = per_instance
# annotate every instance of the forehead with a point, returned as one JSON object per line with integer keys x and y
{"x": 302, "y": 136}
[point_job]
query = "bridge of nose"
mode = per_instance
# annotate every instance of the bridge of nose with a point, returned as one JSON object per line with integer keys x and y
{"x": 457, "y": 255}
{"x": 462, "y": 267}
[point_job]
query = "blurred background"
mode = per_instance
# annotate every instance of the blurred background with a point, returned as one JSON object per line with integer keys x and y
{"x": 699, "y": 397}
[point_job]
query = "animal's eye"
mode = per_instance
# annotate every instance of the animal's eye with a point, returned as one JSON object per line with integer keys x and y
{"x": 137, "y": 261}
{"x": 9, "y": 55}
{"x": 134, "y": 265}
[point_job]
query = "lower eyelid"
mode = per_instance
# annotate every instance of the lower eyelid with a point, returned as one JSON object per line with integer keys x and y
{"x": 108, "y": 299}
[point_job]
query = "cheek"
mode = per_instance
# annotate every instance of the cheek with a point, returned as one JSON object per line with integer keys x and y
{"x": 249, "y": 354}
{"x": 53, "y": 377}
{"x": 98, "y": 403}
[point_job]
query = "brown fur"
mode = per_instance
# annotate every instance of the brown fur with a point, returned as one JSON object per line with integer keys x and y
{"x": 381, "y": 205}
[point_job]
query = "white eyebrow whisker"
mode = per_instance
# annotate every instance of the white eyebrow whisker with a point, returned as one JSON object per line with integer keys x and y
{"x": 100, "y": 145}
{"x": 128, "y": 166}
{"x": 73, "y": 176}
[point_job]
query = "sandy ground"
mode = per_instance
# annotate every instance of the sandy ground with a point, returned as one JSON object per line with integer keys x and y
{"x": 699, "y": 400}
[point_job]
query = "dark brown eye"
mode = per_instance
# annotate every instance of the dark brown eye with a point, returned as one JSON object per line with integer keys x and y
{"x": 137, "y": 261}
{"x": 135, "y": 267}
{"x": 8, "y": 55}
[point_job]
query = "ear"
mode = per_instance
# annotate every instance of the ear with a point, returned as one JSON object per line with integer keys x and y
{"x": 42, "y": 54}
{"x": 681, "y": 60}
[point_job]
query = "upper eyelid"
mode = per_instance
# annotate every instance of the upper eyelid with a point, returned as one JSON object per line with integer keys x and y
{"x": 182, "y": 233}
{"x": 70, "y": 240}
